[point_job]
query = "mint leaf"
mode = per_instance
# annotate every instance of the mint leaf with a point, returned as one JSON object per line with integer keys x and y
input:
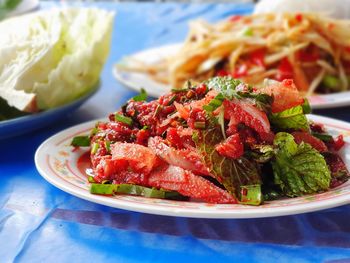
{"x": 224, "y": 85}
{"x": 232, "y": 174}
{"x": 291, "y": 119}
{"x": 299, "y": 169}
{"x": 228, "y": 88}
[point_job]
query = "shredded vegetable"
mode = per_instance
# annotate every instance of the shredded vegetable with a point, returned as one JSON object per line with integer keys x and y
{"x": 310, "y": 48}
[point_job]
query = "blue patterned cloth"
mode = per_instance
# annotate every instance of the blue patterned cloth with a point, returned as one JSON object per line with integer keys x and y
{"x": 40, "y": 223}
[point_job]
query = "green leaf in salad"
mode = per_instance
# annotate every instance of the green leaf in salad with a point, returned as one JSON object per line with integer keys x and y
{"x": 233, "y": 174}
{"x": 290, "y": 119}
{"x": 299, "y": 169}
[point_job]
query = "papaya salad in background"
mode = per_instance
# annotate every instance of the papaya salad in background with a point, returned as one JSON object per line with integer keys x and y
{"x": 219, "y": 141}
{"x": 309, "y": 48}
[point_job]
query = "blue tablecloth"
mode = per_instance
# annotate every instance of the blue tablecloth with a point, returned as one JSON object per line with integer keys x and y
{"x": 40, "y": 223}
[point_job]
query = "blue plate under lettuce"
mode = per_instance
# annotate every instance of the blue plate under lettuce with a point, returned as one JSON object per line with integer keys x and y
{"x": 27, "y": 123}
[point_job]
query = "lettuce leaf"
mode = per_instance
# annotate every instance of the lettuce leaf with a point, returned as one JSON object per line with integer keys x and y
{"x": 290, "y": 119}
{"x": 234, "y": 175}
{"x": 299, "y": 169}
{"x": 53, "y": 57}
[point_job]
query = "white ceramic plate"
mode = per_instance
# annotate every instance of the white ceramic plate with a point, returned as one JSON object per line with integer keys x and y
{"x": 136, "y": 81}
{"x": 57, "y": 163}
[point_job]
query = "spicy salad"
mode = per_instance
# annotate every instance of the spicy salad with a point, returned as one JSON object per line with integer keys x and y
{"x": 219, "y": 141}
{"x": 311, "y": 49}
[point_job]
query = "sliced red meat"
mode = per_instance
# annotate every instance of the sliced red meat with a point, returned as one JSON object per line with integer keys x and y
{"x": 238, "y": 111}
{"x": 338, "y": 169}
{"x": 184, "y": 109}
{"x": 106, "y": 168}
{"x": 312, "y": 140}
{"x": 129, "y": 177}
{"x": 232, "y": 147}
{"x": 285, "y": 95}
{"x": 188, "y": 159}
{"x": 140, "y": 158}
{"x": 174, "y": 178}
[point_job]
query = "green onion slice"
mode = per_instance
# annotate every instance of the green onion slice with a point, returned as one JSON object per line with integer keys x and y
{"x": 94, "y": 147}
{"x": 179, "y": 90}
{"x": 251, "y": 195}
{"x": 323, "y": 137}
{"x": 123, "y": 119}
{"x": 81, "y": 141}
{"x": 131, "y": 189}
{"x": 199, "y": 125}
{"x": 108, "y": 146}
{"x": 214, "y": 103}
{"x": 142, "y": 96}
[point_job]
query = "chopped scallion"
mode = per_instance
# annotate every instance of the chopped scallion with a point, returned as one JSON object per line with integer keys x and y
{"x": 199, "y": 124}
{"x": 306, "y": 106}
{"x": 322, "y": 137}
{"x": 142, "y": 96}
{"x": 108, "y": 146}
{"x": 94, "y": 147}
{"x": 81, "y": 141}
{"x": 123, "y": 119}
{"x": 110, "y": 189}
{"x": 179, "y": 90}
{"x": 214, "y": 103}
{"x": 251, "y": 195}
{"x": 171, "y": 101}
{"x": 158, "y": 110}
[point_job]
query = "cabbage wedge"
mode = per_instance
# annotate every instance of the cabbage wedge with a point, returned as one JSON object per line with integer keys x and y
{"x": 51, "y": 58}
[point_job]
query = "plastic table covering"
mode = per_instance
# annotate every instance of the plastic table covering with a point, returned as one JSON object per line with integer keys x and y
{"x": 39, "y": 222}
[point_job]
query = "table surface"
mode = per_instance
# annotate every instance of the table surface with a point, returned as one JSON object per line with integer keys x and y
{"x": 39, "y": 222}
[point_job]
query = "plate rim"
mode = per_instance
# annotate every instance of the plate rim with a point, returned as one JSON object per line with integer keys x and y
{"x": 133, "y": 86}
{"x": 254, "y": 212}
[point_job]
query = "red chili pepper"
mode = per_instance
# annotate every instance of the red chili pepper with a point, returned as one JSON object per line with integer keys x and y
{"x": 285, "y": 70}
{"x": 240, "y": 71}
{"x": 339, "y": 142}
{"x": 299, "y": 17}
{"x": 222, "y": 73}
{"x": 257, "y": 57}
{"x": 235, "y": 18}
